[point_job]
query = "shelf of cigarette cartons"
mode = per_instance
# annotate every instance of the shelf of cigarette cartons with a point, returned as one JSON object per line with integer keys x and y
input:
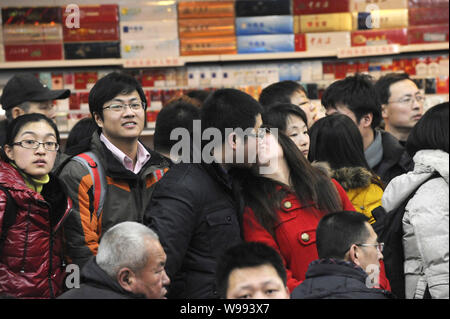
{"x": 347, "y": 52}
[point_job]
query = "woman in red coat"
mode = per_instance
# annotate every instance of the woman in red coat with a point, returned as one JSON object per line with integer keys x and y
{"x": 31, "y": 248}
{"x": 285, "y": 203}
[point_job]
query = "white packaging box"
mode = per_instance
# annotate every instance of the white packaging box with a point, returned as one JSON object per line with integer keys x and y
{"x": 193, "y": 75}
{"x": 147, "y": 30}
{"x": 296, "y": 71}
{"x": 147, "y": 10}
{"x": 216, "y": 76}
{"x": 133, "y": 49}
{"x": 306, "y": 68}
{"x": 317, "y": 71}
{"x": 327, "y": 40}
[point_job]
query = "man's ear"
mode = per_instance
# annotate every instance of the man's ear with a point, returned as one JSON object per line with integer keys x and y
{"x": 384, "y": 112}
{"x": 353, "y": 253}
{"x": 231, "y": 140}
{"x": 98, "y": 119}
{"x": 126, "y": 279}
{"x": 366, "y": 120}
{"x": 16, "y": 111}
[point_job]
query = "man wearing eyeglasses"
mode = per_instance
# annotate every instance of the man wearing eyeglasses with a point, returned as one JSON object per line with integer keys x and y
{"x": 25, "y": 94}
{"x": 117, "y": 104}
{"x": 401, "y": 102}
{"x": 349, "y": 263}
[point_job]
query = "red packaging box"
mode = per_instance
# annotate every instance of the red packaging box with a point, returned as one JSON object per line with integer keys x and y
{"x": 93, "y": 31}
{"x": 427, "y": 16}
{"x": 74, "y": 101}
{"x": 94, "y": 13}
{"x": 320, "y": 6}
{"x": 363, "y": 67}
{"x": 380, "y": 37}
{"x": 300, "y": 42}
{"x": 428, "y": 34}
{"x": 33, "y": 52}
{"x": 31, "y": 15}
{"x": 80, "y": 81}
{"x": 340, "y": 70}
{"x": 428, "y": 4}
{"x": 442, "y": 85}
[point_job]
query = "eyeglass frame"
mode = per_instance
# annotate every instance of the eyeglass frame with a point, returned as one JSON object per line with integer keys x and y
{"x": 379, "y": 246}
{"x": 124, "y": 105}
{"x": 413, "y": 97}
{"x": 38, "y": 144}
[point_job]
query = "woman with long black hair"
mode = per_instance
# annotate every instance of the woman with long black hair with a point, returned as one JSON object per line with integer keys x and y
{"x": 285, "y": 201}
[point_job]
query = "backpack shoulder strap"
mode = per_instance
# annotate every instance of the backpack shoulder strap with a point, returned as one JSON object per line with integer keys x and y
{"x": 93, "y": 164}
{"x": 9, "y": 216}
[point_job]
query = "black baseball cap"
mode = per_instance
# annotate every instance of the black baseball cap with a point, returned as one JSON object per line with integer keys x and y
{"x": 27, "y": 88}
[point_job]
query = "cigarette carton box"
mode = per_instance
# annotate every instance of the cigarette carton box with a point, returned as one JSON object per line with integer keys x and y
{"x": 265, "y": 25}
{"x": 266, "y": 43}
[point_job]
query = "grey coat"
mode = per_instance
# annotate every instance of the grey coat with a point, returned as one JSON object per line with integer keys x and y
{"x": 425, "y": 224}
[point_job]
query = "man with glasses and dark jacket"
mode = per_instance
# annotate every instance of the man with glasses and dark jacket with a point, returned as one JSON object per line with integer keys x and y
{"x": 349, "y": 262}
{"x": 356, "y": 97}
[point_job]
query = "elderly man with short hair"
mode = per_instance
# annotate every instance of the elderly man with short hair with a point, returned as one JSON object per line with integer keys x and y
{"x": 129, "y": 265}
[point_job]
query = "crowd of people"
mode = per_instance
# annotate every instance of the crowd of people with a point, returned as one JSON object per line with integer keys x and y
{"x": 273, "y": 202}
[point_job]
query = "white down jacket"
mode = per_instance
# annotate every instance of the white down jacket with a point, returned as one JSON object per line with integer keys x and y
{"x": 425, "y": 223}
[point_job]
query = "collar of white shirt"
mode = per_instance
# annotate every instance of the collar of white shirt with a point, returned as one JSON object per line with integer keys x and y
{"x": 143, "y": 156}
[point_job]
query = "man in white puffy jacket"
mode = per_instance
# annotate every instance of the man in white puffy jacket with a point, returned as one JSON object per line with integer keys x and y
{"x": 426, "y": 218}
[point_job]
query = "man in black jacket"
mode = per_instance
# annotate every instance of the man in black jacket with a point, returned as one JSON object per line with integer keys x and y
{"x": 196, "y": 207}
{"x": 129, "y": 265}
{"x": 356, "y": 97}
{"x": 349, "y": 260}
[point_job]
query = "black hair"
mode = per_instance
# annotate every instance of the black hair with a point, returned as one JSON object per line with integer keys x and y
{"x": 358, "y": 94}
{"x": 246, "y": 255}
{"x": 109, "y": 87}
{"x": 199, "y": 95}
{"x": 280, "y": 92}
{"x": 229, "y": 108}
{"x": 336, "y": 233}
{"x": 431, "y": 132}
{"x": 278, "y": 114}
{"x": 80, "y": 135}
{"x": 16, "y": 125}
{"x": 382, "y": 86}
{"x": 336, "y": 139}
{"x": 177, "y": 114}
{"x": 312, "y": 187}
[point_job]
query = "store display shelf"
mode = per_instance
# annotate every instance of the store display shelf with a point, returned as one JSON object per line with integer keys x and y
{"x": 180, "y": 61}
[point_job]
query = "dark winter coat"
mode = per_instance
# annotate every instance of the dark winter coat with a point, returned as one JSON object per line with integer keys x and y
{"x": 395, "y": 161}
{"x": 336, "y": 279}
{"x": 196, "y": 212}
{"x": 32, "y": 263}
{"x": 97, "y": 284}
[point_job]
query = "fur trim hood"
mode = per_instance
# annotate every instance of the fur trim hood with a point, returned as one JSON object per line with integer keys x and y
{"x": 348, "y": 177}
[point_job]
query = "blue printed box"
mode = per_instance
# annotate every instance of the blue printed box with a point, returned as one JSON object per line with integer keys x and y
{"x": 266, "y": 43}
{"x": 265, "y": 25}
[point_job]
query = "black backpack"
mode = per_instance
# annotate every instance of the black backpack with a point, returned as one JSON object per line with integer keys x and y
{"x": 389, "y": 228}
{"x": 9, "y": 216}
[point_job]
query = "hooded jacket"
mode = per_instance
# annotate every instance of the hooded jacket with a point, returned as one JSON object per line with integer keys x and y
{"x": 97, "y": 284}
{"x": 425, "y": 223}
{"x": 32, "y": 262}
{"x": 358, "y": 183}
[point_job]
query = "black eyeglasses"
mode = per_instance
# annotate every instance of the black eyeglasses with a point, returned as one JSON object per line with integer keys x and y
{"x": 32, "y": 144}
{"x": 379, "y": 246}
{"x": 135, "y": 106}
